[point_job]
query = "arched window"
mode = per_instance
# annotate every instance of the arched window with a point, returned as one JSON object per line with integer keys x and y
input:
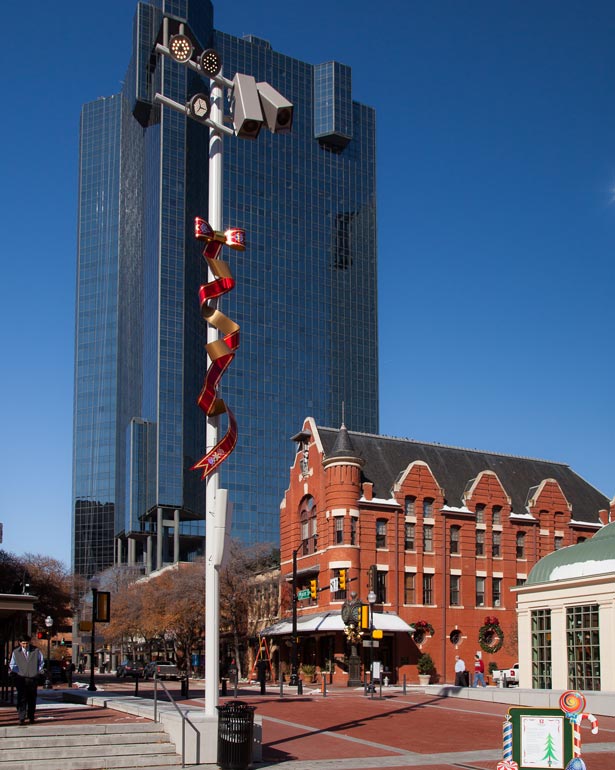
{"x": 309, "y": 532}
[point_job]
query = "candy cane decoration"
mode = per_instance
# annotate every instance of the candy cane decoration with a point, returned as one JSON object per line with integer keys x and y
{"x": 576, "y": 731}
{"x": 222, "y": 351}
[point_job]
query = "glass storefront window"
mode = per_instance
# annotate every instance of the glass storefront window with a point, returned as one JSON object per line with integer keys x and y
{"x": 583, "y": 647}
{"x": 541, "y": 649}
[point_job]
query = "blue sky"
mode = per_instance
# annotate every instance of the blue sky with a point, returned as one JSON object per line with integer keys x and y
{"x": 496, "y": 215}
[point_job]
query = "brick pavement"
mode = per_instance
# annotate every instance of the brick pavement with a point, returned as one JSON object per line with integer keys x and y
{"x": 347, "y": 731}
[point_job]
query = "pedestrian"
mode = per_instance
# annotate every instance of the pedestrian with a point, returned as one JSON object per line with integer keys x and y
{"x": 261, "y": 672}
{"x": 460, "y": 668}
{"x": 479, "y": 671}
{"x": 70, "y": 670}
{"x": 26, "y": 664}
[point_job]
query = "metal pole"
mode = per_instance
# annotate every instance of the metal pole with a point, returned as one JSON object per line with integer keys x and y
{"x": 371, "y": 653}
{"x": 48, "y": 683}
{"x": 212, "y": 591}
{"x": 92, "y": 685}
{"x": 293, "y": 664}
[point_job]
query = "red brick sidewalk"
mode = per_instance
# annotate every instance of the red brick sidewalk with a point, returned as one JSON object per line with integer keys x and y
{"x": 351, "y": 730}
{"x": 347, "y": 726}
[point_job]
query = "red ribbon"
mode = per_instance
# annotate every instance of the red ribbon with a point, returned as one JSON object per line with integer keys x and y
{"x": 222, "y": 351}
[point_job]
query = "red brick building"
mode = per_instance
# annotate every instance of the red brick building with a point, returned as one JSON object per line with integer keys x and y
{"x": 439, "y": 533}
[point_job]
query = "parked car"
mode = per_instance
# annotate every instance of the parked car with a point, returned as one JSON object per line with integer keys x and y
{"x": 56, "y": 671}
{"x": 129, "y": 668}
{"x": 506, "y": 677}
{"x": 162, "y": 669}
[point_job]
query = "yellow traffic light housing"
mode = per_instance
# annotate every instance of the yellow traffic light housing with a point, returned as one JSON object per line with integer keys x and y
{"x": 314, "y": 589}
{"x": 342, "y": 580}
{"x": 365, "y": 617}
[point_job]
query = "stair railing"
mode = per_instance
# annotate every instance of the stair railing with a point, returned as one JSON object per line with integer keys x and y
{"x": 184, "y": 720}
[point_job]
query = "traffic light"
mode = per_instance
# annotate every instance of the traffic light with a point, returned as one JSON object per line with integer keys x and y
{"x": 40, "y": 635}
{"x": 377, "y": 633}
{"x": 314, "y": 589}
{"x": 342, "y": 579}
{"x": 365, "y": 617}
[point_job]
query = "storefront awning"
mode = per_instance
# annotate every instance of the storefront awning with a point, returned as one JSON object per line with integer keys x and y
{"x": 332, "y": 621}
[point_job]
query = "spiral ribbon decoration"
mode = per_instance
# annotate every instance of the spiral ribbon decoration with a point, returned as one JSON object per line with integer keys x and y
{"x": 222, "y": 351}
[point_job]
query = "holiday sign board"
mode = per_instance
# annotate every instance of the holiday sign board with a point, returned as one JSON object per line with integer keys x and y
{"x": 541, "y": 738}
{"x": 546, "y": 739}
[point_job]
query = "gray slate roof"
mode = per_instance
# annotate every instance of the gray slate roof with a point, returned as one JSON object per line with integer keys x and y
{"x": 386, "y": 458}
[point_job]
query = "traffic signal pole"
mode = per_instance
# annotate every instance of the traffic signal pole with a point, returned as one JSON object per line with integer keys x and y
{"x": 294, "y": 679}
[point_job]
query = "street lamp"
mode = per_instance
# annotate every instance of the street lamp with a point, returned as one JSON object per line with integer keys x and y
{"x": 48, "y": 624}
{"x": 371, "y": 600}
{"x": 94, "y": 585}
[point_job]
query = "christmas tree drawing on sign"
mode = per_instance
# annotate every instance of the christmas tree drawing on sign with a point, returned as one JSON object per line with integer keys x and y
{"x": 550, "y": 755}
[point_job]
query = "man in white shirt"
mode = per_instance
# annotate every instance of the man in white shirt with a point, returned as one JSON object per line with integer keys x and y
{"x": 460, "y": 667}
{"x": 26, "y": 664}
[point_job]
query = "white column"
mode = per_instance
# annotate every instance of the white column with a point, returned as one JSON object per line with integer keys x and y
{"x": 559, "y": 649}
{"x": 159, "y": 537}
{"x": 212, "y": 612}
{"x": 175, "y": 536}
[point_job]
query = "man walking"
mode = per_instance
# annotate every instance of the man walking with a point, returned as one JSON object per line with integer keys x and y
{"x": 26, "y": 664}
{"x": 479, "y": 671}
{"x": 460, "y": 672}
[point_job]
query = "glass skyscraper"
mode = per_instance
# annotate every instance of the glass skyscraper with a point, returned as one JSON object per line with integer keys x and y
{"x": 305, "y": 296}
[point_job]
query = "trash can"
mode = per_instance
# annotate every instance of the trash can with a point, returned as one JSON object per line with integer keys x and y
{"x": 235, "y": 731}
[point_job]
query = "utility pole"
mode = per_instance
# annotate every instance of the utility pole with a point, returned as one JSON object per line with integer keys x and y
{"x": 294, "y": 679}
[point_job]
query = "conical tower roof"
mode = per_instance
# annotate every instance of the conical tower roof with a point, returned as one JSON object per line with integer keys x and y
{"x": 343, "y": 447}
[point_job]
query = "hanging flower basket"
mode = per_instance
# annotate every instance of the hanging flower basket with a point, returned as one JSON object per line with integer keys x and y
{"x": 490, "y": 635}
{"x": 421, "y": 629}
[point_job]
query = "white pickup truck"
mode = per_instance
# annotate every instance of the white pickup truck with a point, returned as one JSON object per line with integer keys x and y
{"x": 506, "y": 677}
{"x": 163, "y": 669}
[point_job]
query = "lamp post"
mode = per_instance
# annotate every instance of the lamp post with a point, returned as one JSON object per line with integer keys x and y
{"x": 371, "y": 599}
{"x": 253, "y": 104}
{"x": 94, "y": 584}
{"x": 48, "y": 625}
{"x": 294, "y": 679}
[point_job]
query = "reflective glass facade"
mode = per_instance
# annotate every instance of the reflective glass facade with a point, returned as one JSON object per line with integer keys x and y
{"x": 305, "y": 297}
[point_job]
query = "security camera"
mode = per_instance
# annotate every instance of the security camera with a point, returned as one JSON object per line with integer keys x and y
{"x": 246, "y": 107}
{"x": 278, "y": 111}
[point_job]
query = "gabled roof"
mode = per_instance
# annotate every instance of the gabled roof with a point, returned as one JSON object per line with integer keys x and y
{"x": 386, "y": 457}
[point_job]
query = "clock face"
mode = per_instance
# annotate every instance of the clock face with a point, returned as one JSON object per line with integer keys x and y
{"x": 350, "y": 612}
{"x": 199, "y": 106}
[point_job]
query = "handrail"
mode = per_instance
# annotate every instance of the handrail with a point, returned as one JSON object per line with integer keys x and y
{"x": 184, "y": 720}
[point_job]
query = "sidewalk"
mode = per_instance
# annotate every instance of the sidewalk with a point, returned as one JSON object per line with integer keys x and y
{"x": 346, "y": 730}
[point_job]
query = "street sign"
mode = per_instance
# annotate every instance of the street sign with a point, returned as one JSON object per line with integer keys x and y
{"x": 370, "y": 643}
{"x": 334, "y": 584}
{"x": 305, "y": 594}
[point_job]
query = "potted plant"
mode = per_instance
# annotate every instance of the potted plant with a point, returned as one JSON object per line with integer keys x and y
{"x": 426, "y": 668}
{"x": 309, "y": 671}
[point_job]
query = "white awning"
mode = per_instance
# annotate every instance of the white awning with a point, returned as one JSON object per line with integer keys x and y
{"x": 332, "y": 621}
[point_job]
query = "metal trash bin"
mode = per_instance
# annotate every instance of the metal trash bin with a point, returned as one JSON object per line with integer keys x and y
{"x": 235, "y": 735}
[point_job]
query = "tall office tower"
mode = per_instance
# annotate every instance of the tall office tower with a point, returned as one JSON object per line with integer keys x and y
{"x": 305, "y": 296}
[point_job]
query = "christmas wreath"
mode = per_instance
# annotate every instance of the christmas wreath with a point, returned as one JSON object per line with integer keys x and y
{"x": 421, "y": 629}
{"x": 490, "y": 635}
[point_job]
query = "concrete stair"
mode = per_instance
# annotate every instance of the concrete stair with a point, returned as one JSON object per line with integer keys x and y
{"x": 86, "y": 747}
